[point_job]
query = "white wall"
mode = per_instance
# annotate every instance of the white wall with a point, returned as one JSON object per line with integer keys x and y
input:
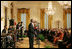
{"x": 33, "y": 6}
{"x": 58, "y": 15}
{"x": 35, "y": 10}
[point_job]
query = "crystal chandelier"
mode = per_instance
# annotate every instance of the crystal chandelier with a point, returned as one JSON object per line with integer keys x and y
{"x": 65, "y": 4}
{"x": 50, "y": 9}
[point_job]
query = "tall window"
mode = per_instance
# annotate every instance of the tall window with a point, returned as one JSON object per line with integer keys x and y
{"x": 68, "y": 20}
{"x": 46, "y": 21}
{"x": 23, "y": 19}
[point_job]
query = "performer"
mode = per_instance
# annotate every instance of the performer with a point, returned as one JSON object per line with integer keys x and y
{"x": 21, "y": 30}
{"x": 18, "y": 30}
{"x": 31, "y": 33}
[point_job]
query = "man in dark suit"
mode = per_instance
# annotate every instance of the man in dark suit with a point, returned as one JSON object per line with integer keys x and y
{"x": 18, "y": 25}
{"x": 18, "y": 30}
{"x": 4, "y": 30}
{"x": 31, "y": 33}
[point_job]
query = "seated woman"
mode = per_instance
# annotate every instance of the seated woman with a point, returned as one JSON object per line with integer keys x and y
{"x": 59, "y": 36}
{"x": 9, "y": 41}
{"x": 67, "y": 43}
{"x": 52, "y": 34}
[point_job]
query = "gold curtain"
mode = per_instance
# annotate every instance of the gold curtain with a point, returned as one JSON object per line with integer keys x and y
{"x": 20, "y": 11}
{"x": 64, "y": 19}
{"x": 12, "y": 13}
{"x": 27, "y": 11}
{"x": 42, "y": 13}
{"x": 19, "y": 15}
{"x": 27, "y": 17}
{"x": 50, "y": 21}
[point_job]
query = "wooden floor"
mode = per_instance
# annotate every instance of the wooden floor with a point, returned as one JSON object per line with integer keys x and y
{"x": 25, "y": 44}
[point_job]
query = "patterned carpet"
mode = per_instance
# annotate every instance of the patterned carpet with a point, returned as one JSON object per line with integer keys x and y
{"x": 25, "y": 44}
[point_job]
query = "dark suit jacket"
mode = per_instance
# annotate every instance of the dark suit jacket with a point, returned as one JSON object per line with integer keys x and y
{"x": 4, "y": 31}
{"x": 31, "y": 30}
{"x": 9, "y": 30}
{"x": 17, "y": 26}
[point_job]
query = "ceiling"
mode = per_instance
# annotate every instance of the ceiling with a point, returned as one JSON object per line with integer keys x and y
{"x": 62, "y": 3}
{"x": 39, "y": 2}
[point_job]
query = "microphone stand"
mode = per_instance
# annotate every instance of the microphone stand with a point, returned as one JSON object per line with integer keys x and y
{"x": 38, "y": 39}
